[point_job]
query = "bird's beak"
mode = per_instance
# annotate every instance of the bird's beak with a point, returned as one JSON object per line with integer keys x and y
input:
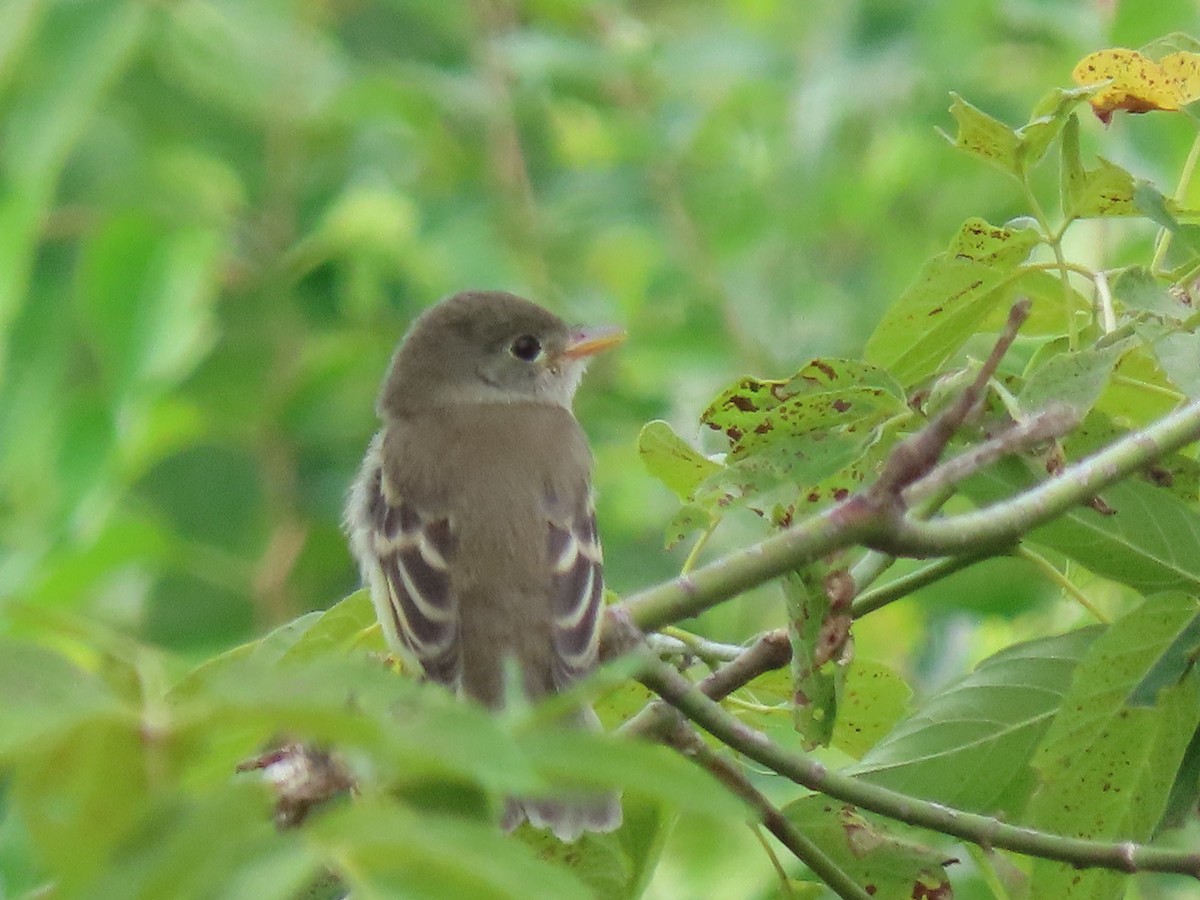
{"x": 590, "y": 341}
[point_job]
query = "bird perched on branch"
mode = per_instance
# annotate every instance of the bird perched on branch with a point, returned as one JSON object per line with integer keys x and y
{"x": 472, "y": 516}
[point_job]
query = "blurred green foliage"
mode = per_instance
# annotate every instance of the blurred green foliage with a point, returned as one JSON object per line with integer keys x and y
{"x": 217, "y": 218}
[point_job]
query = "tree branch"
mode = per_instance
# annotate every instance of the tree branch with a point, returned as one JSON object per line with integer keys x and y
{"x": 771, "y": 651}
{"x": 985, "y": 831}
{"x": 1002, "y": 523}
{"x": 859, "y": 520}
{"x": 691, "y": 745}
{"x": 877, "y": 598}
{"x": 1053, "y": 422}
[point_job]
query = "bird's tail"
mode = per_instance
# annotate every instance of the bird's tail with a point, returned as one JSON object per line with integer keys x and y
{"x": 568, "y": 815}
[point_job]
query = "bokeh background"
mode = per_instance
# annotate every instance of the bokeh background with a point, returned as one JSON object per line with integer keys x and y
{"x": 217, "y": 218}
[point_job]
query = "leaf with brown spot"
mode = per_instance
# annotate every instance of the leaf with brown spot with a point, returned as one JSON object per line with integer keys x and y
{"x": 671, "y": 460}
{"x": 966, "y": 283}
{"x": 871, "y": 850}
{"x": 1138, "y": 84}
{"x": 1107, "y": 767}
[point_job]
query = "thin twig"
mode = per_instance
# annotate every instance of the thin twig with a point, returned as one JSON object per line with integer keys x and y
{"x": 915, "y": 457}
{"x": 679, "y": 642}
{"x": 1050, "y": 423}
{"x": 879, "y": 597}
{"x": 691, "y": 745}
{"x": 1005, "y": 522}
{"x": 771, "y": 651}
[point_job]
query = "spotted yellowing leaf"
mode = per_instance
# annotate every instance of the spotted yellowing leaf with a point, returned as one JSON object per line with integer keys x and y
{"x": 1139, "y": 84}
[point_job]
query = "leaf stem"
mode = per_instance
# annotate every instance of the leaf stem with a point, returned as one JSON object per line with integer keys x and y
{"x": 936, "y": 571}
{"x": 1054, "y": 239}
{"x": 1048, "y": 569}
{"x": 785, "y": 884}
{"x": 1185, "y": 178}
{"x": 1157, "y": 389}
{"x": 694, "y": 554}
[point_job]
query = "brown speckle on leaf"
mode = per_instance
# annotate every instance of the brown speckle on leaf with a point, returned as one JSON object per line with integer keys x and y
{"x": 827, "y": 370}
{"x": 839, "y": 588}
{"x": 1159, "y": 476}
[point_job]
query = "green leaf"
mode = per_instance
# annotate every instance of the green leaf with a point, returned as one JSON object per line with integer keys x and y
{"x": 348, "y": 624}
{"x": 1160, "y": 209}
{"x": 983, "y": 136}
{"x": 1107, "y": 768}
{"x": 689, "y": 520}
{"x": 789, "y": 436}
{"x": 1177, "y": 353}
{"x": 1140, "y": 392}
{"x": 220, "y": 844}
{"x": 384, "y": 850}
{"x": 671, "y": 460}
{"x": 869, "y": 851}
{"x": 617, "y": 706}
{"x": 874, "y": 699}
{"x": 818, "y": 633}
{"x": 269, "y": 648}
{"x": 595, "y": 859}
{"x": 1003, "y": 246}
{"x": 1052, "y": 300}
{"x": 1137, "y": 289}
{"x": 587, "y": 760}
{"x": 1049, "y": 118}
{"x": 765, "y": 702}
{"x": 227, "y": 53}
{"x": 1070, "y": 167}
{"x": 83, "y": 49}
{"x": 100, "y": 771}
{"x": 412, "y": 732}
{"x": 776, "y": 474}
{"x": 45, "y": 697}
{"x": 826, "y": 394}
{"x": 1151, "y": 542}
{"x": 954, "y": 293}
{"x": 1170, "y": 667}
{"x": 147, "y": 295}
{"x": 1107, "y": 190}
{"x": 1176, "y": 473}
{"x": 614, "y": 866}
{"x": 969, "y": 746}
{"x": 1074, "y": 379}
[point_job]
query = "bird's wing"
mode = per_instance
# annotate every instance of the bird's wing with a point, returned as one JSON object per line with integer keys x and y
{"x": 577, "y": 585}
{"x": 413, "y": 553}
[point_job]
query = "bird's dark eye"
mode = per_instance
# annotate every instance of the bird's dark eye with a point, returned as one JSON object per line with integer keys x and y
{"x": 526, "y": 347}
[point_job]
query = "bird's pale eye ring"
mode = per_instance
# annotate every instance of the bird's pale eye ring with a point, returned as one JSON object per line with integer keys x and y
{"x": 526, "y": 348}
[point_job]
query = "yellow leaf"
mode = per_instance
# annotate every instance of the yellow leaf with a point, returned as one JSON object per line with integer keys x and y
{"x": 1139, "y": 84}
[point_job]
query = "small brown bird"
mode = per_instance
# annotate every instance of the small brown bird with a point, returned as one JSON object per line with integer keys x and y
{"x": 472, "y": 515}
